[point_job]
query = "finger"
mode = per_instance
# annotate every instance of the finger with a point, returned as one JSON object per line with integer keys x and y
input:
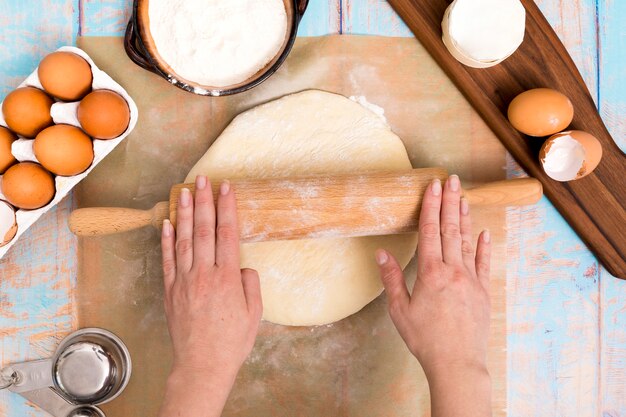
{"x": 467, "y": 249}
{"x": 184, "y": 231}
{"x": 204, "y": 224}
{"x": 168, "y": 251}
{"x": 429, "y": 246}
{"x": 393, "y": 281}
{"x": 483, "y": 258}
{"x": 450, "y": 227}
{"x": 227, "y": 245}
{"x": 252, "y": 291}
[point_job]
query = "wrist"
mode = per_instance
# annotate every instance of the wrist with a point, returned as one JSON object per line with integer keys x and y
{"x": 460, "y": 370}
{"x": 205, "y": 377}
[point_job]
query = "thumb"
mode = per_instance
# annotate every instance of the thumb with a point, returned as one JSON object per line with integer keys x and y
{"x": 393, "y": 281}
{"x": 252, "y": 292}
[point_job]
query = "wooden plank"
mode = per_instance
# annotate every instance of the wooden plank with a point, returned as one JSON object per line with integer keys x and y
{"x": 553, "y": 280}
{"x": 322, "y": 17}
{"x": 372, "y": 17}
{"x": 612, "y": 72}
{"x": 104, "y": 17}
{"x": 38, "y": 273}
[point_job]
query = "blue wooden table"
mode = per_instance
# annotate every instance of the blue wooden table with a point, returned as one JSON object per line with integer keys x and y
{"x": 566, "y": 314}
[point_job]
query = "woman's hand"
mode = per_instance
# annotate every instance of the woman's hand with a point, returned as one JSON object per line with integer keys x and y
{"x": 213, "y": 307}
{"x": 445, "y": 319}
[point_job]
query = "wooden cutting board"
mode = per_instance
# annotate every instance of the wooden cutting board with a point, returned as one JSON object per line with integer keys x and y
{"x": 594, "y": 206}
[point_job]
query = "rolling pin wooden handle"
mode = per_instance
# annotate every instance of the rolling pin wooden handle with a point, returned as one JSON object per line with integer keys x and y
{"x": 107, "y": 220}
{"x": 516, "y": 192}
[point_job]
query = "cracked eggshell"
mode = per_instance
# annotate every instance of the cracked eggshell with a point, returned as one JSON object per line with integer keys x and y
{"x": 570, "y": 155}
{"x": 483, "y": 33}
{"x": 8, "y": 223}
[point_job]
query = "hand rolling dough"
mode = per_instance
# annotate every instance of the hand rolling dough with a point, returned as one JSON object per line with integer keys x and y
{"x": 314, "y": 281}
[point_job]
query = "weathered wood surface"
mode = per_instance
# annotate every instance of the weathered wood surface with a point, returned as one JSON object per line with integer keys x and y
{"x": 567, "y": 316}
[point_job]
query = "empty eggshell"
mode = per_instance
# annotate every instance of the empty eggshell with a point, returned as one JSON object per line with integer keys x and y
{"x": 540, "y": 112}
{"x": 8, "y": 223}
{"x": 570, "y": 155}
{"x": 28, "y": 185}
{"x": 64, "y": 150}
{"x": 104, "y": 114}
{"x": 65, "y": 75}
{"x": 27, "y": 111}
{"x": 6, "y": 157}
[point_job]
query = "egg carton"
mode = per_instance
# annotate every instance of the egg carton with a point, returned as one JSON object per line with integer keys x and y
{"x": 65, "y": 113}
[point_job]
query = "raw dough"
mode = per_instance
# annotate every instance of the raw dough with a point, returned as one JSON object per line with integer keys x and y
{"x": 314, "y": 281}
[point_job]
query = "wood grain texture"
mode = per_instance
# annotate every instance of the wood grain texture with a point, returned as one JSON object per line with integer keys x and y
{"x": 612, "y": 102}
{"x": 550, "y": 271}
{"x": 595, "y": 206}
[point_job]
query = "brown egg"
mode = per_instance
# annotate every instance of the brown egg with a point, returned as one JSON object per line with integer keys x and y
{"x": 65, "y": 76}
{"x": 570, "y": 155}
{"x": 541, "y": 112}
{"x": 6, "y": 140}
{"x": 104, "y": 114}
{"x": 28, "y": 185}
{"x": 27, "y": 111}
{"x": 8, "y": 223}
{"x": 63, "y": 150}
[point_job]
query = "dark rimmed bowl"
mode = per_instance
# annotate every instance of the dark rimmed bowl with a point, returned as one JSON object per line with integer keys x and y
{"x": 141, "y": 50}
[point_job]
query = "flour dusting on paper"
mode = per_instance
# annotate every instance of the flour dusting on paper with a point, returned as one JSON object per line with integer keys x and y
{"x": 362, "y": 100}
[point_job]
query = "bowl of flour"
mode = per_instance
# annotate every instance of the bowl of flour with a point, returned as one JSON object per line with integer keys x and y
{"x": 213, "y": 47}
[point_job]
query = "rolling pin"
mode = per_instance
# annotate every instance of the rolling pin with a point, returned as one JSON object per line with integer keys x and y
{"x": 368, "y": 204}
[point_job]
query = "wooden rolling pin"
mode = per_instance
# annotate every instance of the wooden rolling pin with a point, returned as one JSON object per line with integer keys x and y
{"x": 348, "y": 205}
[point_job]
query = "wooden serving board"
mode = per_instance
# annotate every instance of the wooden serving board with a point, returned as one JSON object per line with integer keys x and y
{"x": 595, "y": 205}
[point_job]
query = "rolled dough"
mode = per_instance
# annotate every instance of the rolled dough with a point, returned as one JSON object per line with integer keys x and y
{"x": 314, "y": 281}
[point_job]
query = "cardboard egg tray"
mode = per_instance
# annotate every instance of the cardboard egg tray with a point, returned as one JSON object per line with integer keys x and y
{"x": 65, "y": 113}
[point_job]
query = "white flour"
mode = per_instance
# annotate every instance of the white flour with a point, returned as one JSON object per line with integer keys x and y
{"x": 214, "y": 42}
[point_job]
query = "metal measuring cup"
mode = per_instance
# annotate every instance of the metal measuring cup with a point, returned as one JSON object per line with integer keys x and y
{"x": 90, "y": 367}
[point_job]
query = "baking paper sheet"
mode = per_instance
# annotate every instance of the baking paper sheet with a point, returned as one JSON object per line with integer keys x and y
{"x": 356, "y": 367}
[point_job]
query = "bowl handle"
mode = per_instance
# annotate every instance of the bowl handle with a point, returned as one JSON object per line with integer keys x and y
{"x": 301, "y": 6}
{"x": 130, "y": 45}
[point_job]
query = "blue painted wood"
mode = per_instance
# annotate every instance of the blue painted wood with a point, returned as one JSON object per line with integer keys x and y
{"x": 38, "y": 272}
{"x": 612, "y": 92}
{"x": 372, "y": 17}
{"x": 104, "y": 17}
{"x": 321, "y": 18}
{"x": 567, "y": 343}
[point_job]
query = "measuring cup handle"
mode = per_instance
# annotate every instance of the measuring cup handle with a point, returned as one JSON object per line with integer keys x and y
{"x": 31, "y": 376}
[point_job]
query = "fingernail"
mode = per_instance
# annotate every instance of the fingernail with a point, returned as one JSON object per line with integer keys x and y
{"x": 454, "y": 182}
{"x": 225, "y": 187}
{"x": 185, "y": 197}
{"x": 167, "y": 228}
{"x": 436, "y": 187}
{"x": 201, "y": 182}
{"x": 381, "y": 257}
{"x": 486, "y": 236}
{"x": 464, "y": 206}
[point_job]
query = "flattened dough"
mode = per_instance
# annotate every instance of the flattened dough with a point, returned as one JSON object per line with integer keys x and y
{"x": 314, "y": 281}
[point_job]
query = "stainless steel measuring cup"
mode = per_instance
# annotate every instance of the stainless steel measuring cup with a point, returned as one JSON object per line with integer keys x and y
{"x": 90, "y": 367}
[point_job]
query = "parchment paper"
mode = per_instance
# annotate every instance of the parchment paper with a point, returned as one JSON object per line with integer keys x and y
{"x": 356, "y": 367}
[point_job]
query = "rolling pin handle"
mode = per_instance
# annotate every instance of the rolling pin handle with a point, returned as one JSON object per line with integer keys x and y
{"x": 515, "y": 192}
{"x": 97, "y": 221}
